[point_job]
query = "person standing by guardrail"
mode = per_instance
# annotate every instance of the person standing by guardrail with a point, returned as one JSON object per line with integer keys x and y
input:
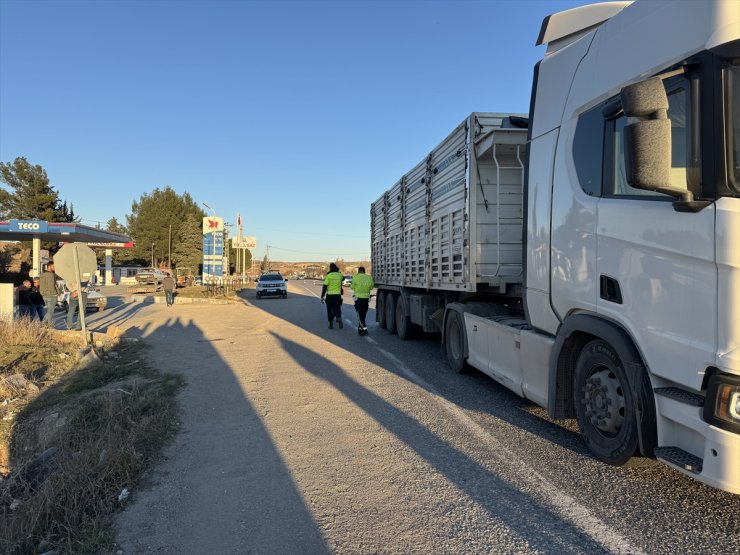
{"x": 37, "y": 301}
{"x": 24, "y": 299}
{"x": 168, "y": 284}
{"x": 49, "y": 291}
{"x": 77, "y": 302}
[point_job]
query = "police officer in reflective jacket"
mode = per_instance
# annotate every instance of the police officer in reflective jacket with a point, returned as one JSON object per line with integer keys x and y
{"x": 332, "y": 290}
{"x": 362, "y": 285}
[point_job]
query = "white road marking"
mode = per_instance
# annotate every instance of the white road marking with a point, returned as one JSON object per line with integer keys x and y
{"x": 561, "y": 502}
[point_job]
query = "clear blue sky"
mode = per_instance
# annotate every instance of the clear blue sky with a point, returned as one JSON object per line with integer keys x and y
{"x": 296, "y": 114}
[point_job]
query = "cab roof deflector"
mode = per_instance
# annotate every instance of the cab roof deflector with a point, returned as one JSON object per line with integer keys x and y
{"x": 564, "y": 24}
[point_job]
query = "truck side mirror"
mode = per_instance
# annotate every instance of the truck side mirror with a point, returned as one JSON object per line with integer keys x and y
{"x": 647, "y": 142}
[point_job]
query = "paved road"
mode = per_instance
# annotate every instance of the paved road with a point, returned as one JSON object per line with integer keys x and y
{"x": 300, "y": 439}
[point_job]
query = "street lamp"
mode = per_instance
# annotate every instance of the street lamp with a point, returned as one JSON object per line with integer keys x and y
{"x": 152, "y": 255}
{"x": 227, "y": 252}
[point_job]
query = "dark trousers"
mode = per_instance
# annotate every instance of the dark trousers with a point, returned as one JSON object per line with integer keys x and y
{"x": 169, "y": 297}
{"x": 51, "y": 303}
{"x": 361, "y": 308}
{"x": 333, "y": 307}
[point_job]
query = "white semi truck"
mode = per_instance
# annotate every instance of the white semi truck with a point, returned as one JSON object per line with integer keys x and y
{"x": 587, "y": 256}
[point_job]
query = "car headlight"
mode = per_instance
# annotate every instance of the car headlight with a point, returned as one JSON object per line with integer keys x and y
{"x": 722, "y": 406}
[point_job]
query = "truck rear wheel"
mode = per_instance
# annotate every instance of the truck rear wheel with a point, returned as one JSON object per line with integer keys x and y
{"x": 605, "y": 410}
{"x": 403, "y": 322}
{"x": 380, "y": 308}
{"x": 390, "y": 312}
{"x": 455, "y": 342}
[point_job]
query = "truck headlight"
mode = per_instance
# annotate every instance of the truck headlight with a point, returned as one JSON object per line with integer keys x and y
{"x": 722, "y": 406}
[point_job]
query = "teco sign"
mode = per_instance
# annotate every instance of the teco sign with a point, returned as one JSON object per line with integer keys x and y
{"x": 29, "y": 226}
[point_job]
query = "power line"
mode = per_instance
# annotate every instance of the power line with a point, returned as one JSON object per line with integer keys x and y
{"x": 322, "y": 253}
{"x": 308, "y": 233}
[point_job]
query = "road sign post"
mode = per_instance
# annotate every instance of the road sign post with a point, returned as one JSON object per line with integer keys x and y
{"x": 73, "y": 263}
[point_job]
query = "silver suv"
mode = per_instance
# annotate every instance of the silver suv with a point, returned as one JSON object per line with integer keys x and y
{"x": 271, "y": 285}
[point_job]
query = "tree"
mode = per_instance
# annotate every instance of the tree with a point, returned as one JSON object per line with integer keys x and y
{"x": 114, "y": 226}
{"x": 150, "y": 219}
{"x": 265, "y": 264}
{"x": 30, "y": 196}
{"x": 6, "y": 259}
{"x": 187, "y": 244}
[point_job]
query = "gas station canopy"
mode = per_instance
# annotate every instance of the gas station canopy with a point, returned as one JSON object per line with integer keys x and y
{"x": 41, "y": 230}
{"x": 26, "y": 230}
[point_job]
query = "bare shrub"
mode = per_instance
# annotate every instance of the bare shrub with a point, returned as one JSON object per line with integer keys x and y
{"x": 24, "y": 331}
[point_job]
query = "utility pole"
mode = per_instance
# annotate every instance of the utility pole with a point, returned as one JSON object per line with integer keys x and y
{"x": 169, "y": 250}
{"x": 152, "y": 255}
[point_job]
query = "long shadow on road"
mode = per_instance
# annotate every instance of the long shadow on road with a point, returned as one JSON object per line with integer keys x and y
{"x": 224, "y": 487}
{"x": 475, "y": 392}
{"x": 542, "y": 529}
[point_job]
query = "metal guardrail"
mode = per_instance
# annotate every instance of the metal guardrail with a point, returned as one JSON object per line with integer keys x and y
{"x": 224, "y": 286}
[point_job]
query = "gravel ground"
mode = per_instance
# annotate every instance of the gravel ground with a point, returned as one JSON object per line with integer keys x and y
{"x": 300, "y": 439}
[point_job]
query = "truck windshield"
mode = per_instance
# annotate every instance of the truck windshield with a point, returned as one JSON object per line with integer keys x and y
{"x": 732, "y": 102}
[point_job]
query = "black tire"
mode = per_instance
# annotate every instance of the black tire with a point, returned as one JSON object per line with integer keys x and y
{"x": 390, "y": 312}
{"x": 605, "y": 409}
{"x": 456, "y": 342}
{"x": 403, "y": 322}
{"x": 285, "y": 295}
{"x": 380, "y": 308}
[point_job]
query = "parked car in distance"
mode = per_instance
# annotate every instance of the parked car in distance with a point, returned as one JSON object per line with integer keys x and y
{"x": 95, "y": 299}
{"x": 347, "y": 281}
{"x": 271, "y": 284}
{"x": 150, "y": 276}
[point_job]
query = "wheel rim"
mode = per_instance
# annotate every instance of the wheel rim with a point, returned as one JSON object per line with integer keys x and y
{"x": 604, "y": 401}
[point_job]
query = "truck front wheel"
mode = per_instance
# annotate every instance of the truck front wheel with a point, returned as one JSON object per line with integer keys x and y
{"x": 605, "y": 410}
{"x": 455, "y": 342}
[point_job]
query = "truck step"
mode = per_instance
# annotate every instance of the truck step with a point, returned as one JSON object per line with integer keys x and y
{"x": 681, "y": 395}
{"x": 679, "y": 457}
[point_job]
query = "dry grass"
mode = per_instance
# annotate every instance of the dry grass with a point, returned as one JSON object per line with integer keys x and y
{"x": 107, "y": 423}
{"x": 23, "y": 331}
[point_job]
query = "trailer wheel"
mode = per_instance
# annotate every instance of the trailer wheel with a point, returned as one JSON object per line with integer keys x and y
{"x": 380, "y": 308}
{"x": 390, "y": 312}
{"x": 403, "y": 322}
{"x": 605, "y": 410}
{"x": 455, "y": 342}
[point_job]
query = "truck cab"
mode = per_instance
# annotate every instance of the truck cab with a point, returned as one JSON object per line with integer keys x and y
{"x": 588, "y": 257}
{"x": 641, "y": 227}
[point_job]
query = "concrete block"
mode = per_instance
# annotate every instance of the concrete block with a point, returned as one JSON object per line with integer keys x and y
{"x": 7, "y": 305}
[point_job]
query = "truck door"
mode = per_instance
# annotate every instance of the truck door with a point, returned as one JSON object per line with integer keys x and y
{"x": 656, "y": 266}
